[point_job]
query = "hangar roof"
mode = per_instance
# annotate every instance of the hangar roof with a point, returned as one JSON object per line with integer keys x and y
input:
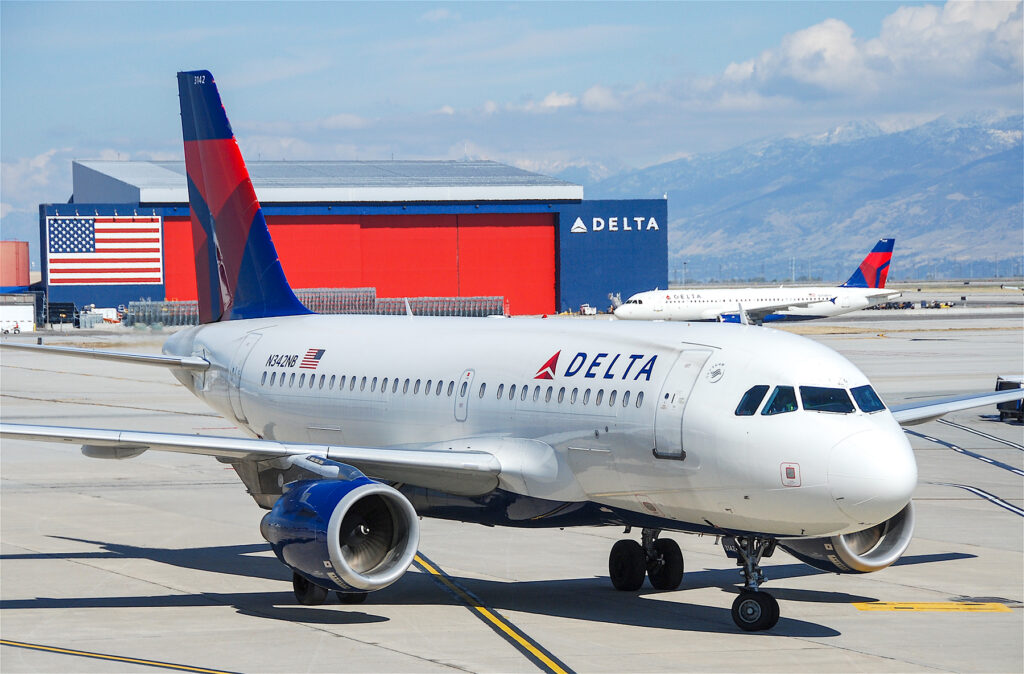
{"x": 163, "y": 182}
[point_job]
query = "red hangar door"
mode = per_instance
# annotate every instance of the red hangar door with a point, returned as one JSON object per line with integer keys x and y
{"x": 446, "y": 255}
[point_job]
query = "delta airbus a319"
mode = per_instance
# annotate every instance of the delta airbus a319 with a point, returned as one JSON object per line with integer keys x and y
{"x": 765, "y": 439}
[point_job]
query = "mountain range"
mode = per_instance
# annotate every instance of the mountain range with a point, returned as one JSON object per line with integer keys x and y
{"x": 950, "y": 191}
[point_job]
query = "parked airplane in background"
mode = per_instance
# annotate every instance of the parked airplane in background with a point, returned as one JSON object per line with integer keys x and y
{"x": 864, "y": 289}
{"x": 359, "y": 425}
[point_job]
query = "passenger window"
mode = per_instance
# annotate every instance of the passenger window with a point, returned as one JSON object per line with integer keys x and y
{"x": 512, "y": 392}
{"x": 384, "y": 385}
{"x": 536, "y": 393}
{"x": 394, "y": 385}
{"x": 547, "y": 394}
{"x": 867, "y": 399}
{"x": 291, "y": 380}
{"x": 341, "y": 382}
{"x": 438, "y": 391}
{"x": 273, "y": 376}
{"x": 362, "y": 384}
{"x": 783, "y": 400}
{"x": 352, "y": 383}
{"x": 586, "y": 396}
{"x": 430, "y": 385}
{"x": 572, "y": 398}
{"x": 405, "y": 386}
{"x": 821, "y": 399}
{"x": 451, "y": 387}
{"x": 462, "y": 389}
{"x": 330, "y": 384}
{"x": 625, "y": 399}
{"x": 751, "y": 400}
{"x": 611, "y": 398}
{"x": 483, "y": 387}
{"x": 416, "y": 387}
{"x": 561, "y": 395}
{"x": 302, "y": 379}
{"x": 263, "y": 380}
{"x": 639, "y": 398}
{"x": 599, "y": 397}
{"x": 282, "y": 378}
{"x": 501, "y": 391}
{"x": 373, "y": 385}
{"x": 312, "y": 380}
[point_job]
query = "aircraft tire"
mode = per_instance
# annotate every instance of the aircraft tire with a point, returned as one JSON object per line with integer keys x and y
{"x": 627, "y": 565}
{"x": 352, "y": 597}
{"x": 666, "y": 570}
{"x": 755, "y": 611}
{"x": 308, "y": 594}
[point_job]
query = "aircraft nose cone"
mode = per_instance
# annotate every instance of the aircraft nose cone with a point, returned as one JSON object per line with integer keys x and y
{"x": 872, "y": 475}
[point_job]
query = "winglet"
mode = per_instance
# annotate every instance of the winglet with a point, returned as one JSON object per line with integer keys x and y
{"x": 238, "y": 273}
{"x": 873, "y": 271}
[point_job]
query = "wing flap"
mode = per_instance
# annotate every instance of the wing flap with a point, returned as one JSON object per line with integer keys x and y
{"x": 911, "y": 414}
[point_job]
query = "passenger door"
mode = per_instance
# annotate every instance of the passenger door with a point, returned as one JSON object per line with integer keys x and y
{"x": 668, "y": 420}
{"x": 462, "y": 391}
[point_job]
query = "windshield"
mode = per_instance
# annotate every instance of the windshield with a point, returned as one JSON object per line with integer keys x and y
{"x": 783, "y": 400}
{"x": 867, "y": 399}
{"x": 820, "y": 399}
{"x": 751, "y": 400}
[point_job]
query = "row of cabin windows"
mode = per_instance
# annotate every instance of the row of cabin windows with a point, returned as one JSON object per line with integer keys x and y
{"x": 299, "y": 380}
{"x": 815, "y": 399}
{"x": 574, "y": 396}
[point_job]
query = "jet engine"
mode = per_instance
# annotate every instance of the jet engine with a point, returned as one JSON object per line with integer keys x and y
{"x": 352, "y": 535}
{"x": 864, "y": 551}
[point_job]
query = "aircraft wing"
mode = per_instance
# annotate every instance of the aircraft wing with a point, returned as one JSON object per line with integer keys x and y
{"x": 468, "y": 470}
{"x": 911, "y": 414}
{"x": 755, "y": 313}
{"x": 186, "y": 362}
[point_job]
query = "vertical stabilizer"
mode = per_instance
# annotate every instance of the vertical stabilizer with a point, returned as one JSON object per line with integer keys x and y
{"x": 238, "y": 273}
{"x": 873, "y": 271}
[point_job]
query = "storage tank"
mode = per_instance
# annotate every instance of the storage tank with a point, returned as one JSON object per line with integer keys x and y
{"x": 14, "y": 264}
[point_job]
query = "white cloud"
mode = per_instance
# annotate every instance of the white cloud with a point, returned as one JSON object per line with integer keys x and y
{"x": 446, "y": 110}
{"x": 440, "y": 14}
{"x": 600, "y": 99}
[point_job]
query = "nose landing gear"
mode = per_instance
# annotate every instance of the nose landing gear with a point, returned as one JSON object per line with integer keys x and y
{"x": 659, "y": 559}
{"x": 753, "y": 610}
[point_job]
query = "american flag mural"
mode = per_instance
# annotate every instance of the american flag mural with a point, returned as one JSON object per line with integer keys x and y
{"x": 96, "y": 250}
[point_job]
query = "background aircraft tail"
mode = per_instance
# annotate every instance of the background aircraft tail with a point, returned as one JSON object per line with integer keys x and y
{"x": 873, "y": 271}
{"x": 238, "y": 273}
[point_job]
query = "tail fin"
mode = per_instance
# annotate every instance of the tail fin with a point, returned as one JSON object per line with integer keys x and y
{"x": 873, "y": 271}
{"x": 238, "y": 273}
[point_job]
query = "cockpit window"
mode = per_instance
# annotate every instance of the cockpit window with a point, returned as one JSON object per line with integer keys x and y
{"x": 821, "y": 399}
{"x": 783, "y": 400}
{"x": 751, "y": 400}
{"x": 867, "y": 399}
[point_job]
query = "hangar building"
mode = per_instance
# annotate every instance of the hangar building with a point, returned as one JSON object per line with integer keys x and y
{"x": 407, "y": 228}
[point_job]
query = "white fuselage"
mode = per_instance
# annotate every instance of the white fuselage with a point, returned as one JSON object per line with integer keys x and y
{"x": 795, "y": 303}
{"x": 620, "y": 406}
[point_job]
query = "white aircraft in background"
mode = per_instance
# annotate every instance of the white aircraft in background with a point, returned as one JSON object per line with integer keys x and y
{"x": 758, "y": 305}
{"x": 359, "y": 425}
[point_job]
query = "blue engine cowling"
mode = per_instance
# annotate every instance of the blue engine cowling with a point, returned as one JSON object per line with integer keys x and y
{"x": 353, "y": 535}
{"x": 860, "y": 552}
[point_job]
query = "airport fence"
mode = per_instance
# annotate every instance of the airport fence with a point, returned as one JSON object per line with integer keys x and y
{"x": 326, "y": 301}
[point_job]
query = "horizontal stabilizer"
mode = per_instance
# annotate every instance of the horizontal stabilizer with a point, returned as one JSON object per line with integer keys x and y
{"x": 183, "y": 362}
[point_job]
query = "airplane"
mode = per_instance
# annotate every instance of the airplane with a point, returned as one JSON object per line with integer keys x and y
{"x": 360, "y": 425}
{"x": 865, "y": 288}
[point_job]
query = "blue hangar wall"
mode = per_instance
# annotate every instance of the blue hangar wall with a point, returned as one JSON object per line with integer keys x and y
{"x": 600, "y": 246}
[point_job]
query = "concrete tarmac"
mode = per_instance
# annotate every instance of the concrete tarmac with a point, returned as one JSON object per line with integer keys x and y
{"x": 159, "y": 559}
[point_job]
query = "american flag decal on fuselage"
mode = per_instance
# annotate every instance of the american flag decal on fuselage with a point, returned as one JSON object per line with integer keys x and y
{"x": 312, "y": 359}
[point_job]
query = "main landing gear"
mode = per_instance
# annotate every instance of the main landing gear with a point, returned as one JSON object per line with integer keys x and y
{"x": 659, "y": 559}
{"x": 753, "y": 610}
{"x": 311, "y": 594}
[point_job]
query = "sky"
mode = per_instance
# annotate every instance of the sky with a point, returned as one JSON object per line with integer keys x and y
{"x": 540, "y": 85}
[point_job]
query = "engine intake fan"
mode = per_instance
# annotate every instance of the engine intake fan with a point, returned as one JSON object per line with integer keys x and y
{"x": 864, "y": 551}
{"x": 348, "y": 535}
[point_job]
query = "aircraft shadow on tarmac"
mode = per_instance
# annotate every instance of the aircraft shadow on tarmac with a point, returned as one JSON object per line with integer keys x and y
{"x": 590, "y": 598}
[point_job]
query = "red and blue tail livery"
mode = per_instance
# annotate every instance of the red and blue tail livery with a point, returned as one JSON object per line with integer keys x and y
{"x": 873, "y": 271}
{"x": 238, "y": 272}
